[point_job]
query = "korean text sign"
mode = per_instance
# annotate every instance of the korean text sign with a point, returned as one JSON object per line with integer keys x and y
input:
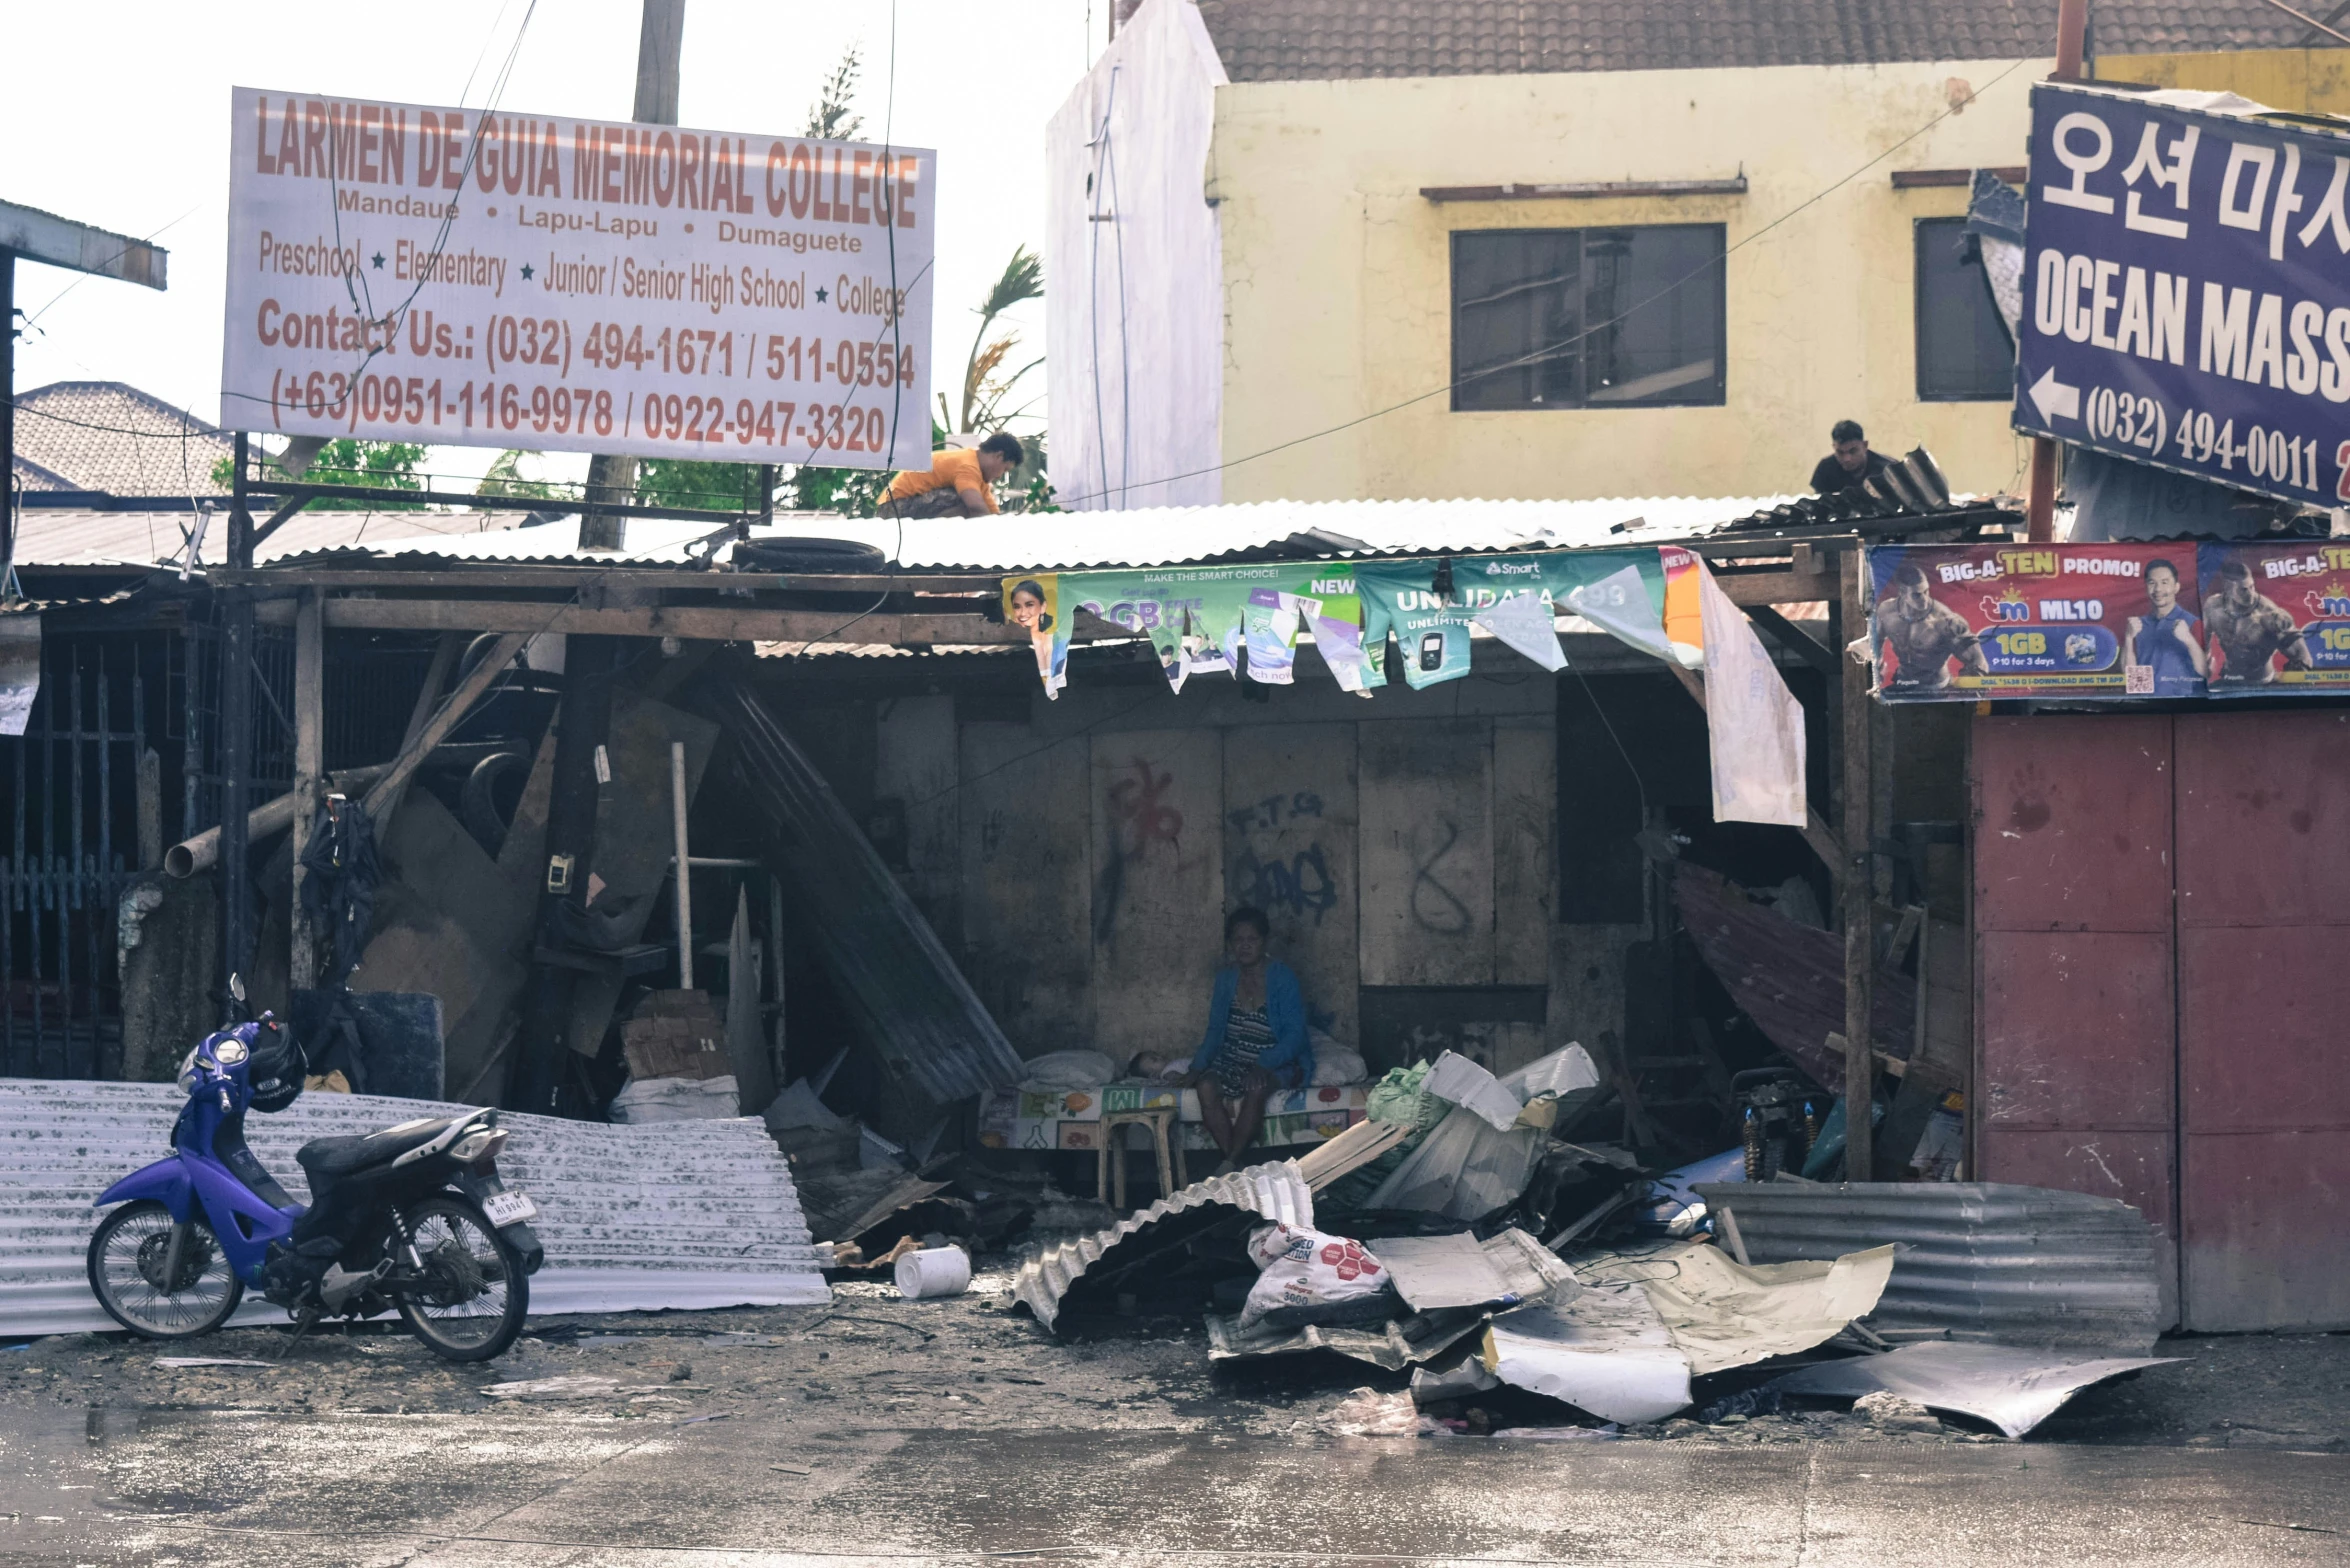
{"x": 446, "y": 276}
{"x": 1971, "y": 621}
{"x": 2187, "y": 291}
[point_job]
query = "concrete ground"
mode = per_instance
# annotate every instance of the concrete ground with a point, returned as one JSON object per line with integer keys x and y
{"x": 958, "y": 1431}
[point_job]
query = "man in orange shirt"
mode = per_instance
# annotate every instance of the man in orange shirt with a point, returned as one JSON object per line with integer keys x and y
{"x": 959, "y": 483}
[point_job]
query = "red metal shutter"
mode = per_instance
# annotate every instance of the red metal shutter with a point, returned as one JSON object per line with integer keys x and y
{"x": 2073, "y": 920}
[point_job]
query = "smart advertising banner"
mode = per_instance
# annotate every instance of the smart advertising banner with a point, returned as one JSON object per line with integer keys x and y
{"x": 404, "y": 273}
{"x": 2176, "y": 619}
{"x": 1202, "y": 619}
{"x": 1227, "y": 619}
{"x": 1429, "y": 607}
{"x": 2186, "y": 290}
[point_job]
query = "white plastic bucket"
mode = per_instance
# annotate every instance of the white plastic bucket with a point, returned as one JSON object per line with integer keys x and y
{"x": 936, "y": 1271}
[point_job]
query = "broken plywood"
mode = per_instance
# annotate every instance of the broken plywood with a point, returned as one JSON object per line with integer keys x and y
{"x": 635, "y": 838}
{"x": 446, "y": 921}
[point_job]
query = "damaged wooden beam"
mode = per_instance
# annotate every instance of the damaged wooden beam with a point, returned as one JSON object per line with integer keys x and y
{"x": 689, "y": 623}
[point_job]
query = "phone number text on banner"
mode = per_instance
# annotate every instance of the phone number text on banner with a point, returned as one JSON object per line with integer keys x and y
{"x": 2187, "y": 291}
{"x": 397, "y": 272}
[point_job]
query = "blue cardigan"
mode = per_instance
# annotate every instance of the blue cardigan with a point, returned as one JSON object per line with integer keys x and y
{"x": 1290, "y": 1058}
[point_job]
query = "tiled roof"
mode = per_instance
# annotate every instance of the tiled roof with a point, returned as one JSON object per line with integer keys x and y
{"x": 74, "y": 430}
{"x": 1289, "y": 40}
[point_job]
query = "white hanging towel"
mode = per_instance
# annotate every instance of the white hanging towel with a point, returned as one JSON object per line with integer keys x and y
{"x": 1754, "y": 725}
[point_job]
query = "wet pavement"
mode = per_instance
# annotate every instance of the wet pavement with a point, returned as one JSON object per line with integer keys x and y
{"x": 956, "y": 1431}
{"x": 533, "y": 1489}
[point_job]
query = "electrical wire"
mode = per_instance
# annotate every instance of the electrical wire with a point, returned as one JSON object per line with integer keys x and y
{"x": 355, "y": 285}
{"x": 889, "y": 113}
{"x": 1553, "y": 350}
{"x": 1093, "y": 290}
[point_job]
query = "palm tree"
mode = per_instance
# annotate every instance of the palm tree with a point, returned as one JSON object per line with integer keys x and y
{"x": 985, "y": 385}
{"x": 833, "y": 117}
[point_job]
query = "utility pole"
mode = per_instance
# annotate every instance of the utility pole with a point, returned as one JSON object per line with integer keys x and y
{"x": 584, "y": 719}
{"x": 2072, "y": 26}
{"x": 612, "y": 477}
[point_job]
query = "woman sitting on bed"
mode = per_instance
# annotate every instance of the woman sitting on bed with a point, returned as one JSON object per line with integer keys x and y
{"x": 1256, "y": 1040}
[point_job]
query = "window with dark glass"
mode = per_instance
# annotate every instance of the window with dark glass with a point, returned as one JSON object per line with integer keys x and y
{"x": 1587, "y": 318}
{"x": 1964, "y": 352}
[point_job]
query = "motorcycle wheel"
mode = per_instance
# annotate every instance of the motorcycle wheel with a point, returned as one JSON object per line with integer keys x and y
{"x": 126, "y": 1262}
{"x": 476, "y": 1293}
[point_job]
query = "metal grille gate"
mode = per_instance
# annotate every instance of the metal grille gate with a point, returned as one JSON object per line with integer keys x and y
{"x": 73, "y": 841}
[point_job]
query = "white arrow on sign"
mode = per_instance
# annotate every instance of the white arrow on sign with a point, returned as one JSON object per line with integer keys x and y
{"x": 2054, "y": 399}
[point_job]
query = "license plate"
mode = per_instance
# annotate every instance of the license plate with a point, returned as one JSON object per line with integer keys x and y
{"x": 509, "y": 1208}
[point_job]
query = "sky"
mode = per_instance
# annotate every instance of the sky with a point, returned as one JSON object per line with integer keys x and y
{"x": 117, "y": 115}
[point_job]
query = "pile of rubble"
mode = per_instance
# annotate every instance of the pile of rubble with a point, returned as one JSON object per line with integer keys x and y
{"x": 1456, "y": 1236}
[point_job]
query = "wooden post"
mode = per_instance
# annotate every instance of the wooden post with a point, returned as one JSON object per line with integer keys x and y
{"x": 583, "y": 723}
{"x": 384, "y": 798}
{"x": 236, "y": 744}
{"x": 684, "y": 868}
{"x": 150, "y": 809}
{"x": 1859, "y": 945}
{"x": 660, "y": 39}
{"x": 2072, "y": 24}
{"x": 309, "y": 766}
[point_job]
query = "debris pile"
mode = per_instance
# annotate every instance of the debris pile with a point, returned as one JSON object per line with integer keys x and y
{"x": 1456, "y": 1239}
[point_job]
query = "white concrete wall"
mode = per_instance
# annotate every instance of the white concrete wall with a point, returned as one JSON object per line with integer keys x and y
{"x": 1134, "y": 303}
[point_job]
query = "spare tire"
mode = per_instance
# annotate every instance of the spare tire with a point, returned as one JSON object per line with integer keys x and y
{"x": 807, "y": 555}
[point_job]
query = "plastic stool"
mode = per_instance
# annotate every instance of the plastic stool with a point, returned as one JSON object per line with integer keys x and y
{"x": 1112, "y": 1153}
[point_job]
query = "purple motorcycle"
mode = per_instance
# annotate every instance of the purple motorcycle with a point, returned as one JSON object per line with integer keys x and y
{"x": 412, "y": 1219}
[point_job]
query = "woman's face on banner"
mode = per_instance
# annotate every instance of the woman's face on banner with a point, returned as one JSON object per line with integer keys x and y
{"x": 1026, "y": 607}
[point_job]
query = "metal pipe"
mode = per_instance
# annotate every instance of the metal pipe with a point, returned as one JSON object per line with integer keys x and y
{"x": 2072, "y": 25}
{"x": 202, "y": 852}
{"x": 685, "y": 891}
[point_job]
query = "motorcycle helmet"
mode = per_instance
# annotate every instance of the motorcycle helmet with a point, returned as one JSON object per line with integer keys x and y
{"x": 278, "y": 1066}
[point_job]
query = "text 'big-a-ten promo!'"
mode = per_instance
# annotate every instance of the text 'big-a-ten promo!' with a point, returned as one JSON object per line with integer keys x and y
{"x": 515, "y": 280}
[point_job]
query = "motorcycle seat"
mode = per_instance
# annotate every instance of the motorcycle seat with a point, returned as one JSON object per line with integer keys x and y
{"x": 323, "y": 1158}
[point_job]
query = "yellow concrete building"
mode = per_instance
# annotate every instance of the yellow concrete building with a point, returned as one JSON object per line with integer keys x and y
{"x": 1569, "y": 252}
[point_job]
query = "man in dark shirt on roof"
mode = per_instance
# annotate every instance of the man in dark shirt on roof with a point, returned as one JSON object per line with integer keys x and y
{"x": 1852, "y": 464}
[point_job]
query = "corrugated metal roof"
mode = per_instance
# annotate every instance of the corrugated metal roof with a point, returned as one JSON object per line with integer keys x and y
{"x": 671, "y": 1215}
{"x": 1275, "y": 1191}
{"x": 1161, "y": 536}
{"x": 1982, "y": 1260}
{"x": 1157, "y": 536}
{"x": 1164, "y": 536}
{"x": 66, "y": 537}
{"x": 898, "y": 980}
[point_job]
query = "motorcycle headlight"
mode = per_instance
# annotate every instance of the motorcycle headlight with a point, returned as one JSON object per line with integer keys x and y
{"x": 229, "y": 1052}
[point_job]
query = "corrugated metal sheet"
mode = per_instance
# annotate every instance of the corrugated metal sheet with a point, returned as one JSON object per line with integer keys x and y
{"x": 1788, "y": 977}
{"x": 1275, "y": 1191}
{"x": 1158, "y": 536}
{"x": 1981, "y": 1260}
{"x": 894, "y": 973}
{"x": 76, "y": 538}
{"x": 676, "y": 1214}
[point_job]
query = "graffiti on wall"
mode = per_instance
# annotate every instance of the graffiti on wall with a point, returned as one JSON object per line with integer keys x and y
{"x": 1139, "y": 814}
